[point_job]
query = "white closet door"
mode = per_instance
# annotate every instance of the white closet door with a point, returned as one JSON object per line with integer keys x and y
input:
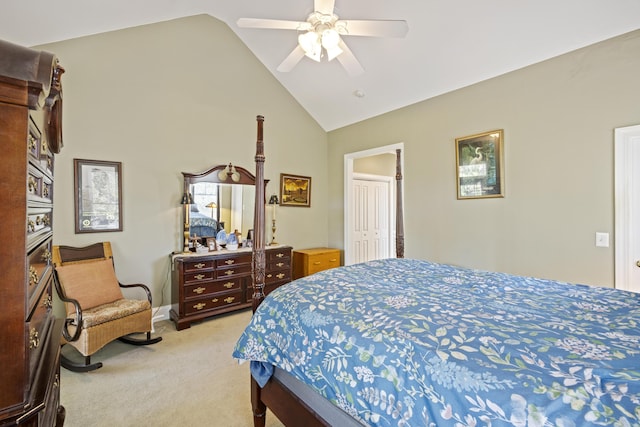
{"x": 371, "y": 220}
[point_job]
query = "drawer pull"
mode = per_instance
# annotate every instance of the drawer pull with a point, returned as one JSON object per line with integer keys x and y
{"x": 280, "y": 264}
{"x": 31, "y": 143}
{"x": 46, "y": 256}
{"x": 279, "y": 255}
{"x": 280, "y": 275}
{"x": 269, "y": 276}
{"x": 229, "y": 300}
{"x": 32, "y": 184}
{"x": 229, "y": 285}
{"x": 47, "y": 301}
{"x": 199, "y": 265}
{"x": 34, "y": 341}
{"x": 200, "y": 306}
{"x": 199, "y": 290}
{"x": 230, "y": 261}
{"x": 199, "y": 276}
{"x": 333, "y": 260}
{"x": 215, "y": 300}
{"x": 229, "y": 272}
{"x": 33, "y": 275}
{"x": 316, "y": 263}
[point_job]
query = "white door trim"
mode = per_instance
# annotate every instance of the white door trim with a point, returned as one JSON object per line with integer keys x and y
{"x": 348, "y": 191}
{"x": 623, "y": 158}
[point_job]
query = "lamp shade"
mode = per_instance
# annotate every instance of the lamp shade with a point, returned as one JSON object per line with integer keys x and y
{"x": 186, "y": 199}
{"x": 273, "y": 200}
{"x": 211, "y": 205}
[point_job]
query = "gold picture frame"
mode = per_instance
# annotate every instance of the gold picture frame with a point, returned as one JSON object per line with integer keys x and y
{"x": 212, "y": 245}
{"x": 479, "y": 165}
{"x": 295, "y": 190}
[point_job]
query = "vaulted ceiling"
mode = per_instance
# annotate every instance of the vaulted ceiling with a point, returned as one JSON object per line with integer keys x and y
{"x": 449, "y": 45}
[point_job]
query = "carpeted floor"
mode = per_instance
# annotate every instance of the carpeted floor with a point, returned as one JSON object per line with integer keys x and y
{"x": 187, "y": 379}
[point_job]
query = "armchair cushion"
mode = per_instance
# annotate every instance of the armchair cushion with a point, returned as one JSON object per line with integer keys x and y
{"x": 112, "y": 311}
{"x": 91, "y": 283}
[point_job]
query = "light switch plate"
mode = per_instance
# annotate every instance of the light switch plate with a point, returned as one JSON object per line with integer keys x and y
{"x": 602, "y": 239}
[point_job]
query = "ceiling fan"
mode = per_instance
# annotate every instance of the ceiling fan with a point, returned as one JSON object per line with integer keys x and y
{"x": 321, "y": 35}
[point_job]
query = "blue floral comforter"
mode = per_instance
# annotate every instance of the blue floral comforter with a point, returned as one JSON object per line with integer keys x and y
{"x": 403, "y": 342}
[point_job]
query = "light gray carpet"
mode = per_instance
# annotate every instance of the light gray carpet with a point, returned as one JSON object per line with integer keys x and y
{"x": 187, "y": 379}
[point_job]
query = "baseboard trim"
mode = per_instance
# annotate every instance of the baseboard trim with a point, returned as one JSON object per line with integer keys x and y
{"x": 159, "y": 314}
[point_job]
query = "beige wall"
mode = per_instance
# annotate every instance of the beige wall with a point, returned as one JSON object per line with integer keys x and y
{"x": 177, "y": 96}
{"x": 558, "y": 119}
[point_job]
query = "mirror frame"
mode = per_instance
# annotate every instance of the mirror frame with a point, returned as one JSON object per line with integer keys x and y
{"x": 211, "y": 175}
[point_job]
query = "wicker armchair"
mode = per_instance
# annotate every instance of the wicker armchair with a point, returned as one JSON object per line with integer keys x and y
{"x": 97, "y": 312}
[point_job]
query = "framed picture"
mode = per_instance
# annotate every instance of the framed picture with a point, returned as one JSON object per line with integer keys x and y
{"x": 295, "y": 190}
{"x": 479, "y": 171}
{"x": 98, "y": 196}
{"x": 211, "y": 244}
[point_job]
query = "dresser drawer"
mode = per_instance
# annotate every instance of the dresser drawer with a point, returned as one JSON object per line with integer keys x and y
{"x": 37, "y": 326}
{"x": 240, "y": 259}
{"x": 279, "y": 255}
{"x": 277, "y": 276}
{"x": 324, "y": 261}
{"x": 38, "y": 269}
{"x": 198, "y": 276}
{"x": 192, "y": 266}
{"x": 208, "y": 288}
{"x": 213, "y": 302}
{"x": 310, "y": 261}
{"x": 233, "y": 271}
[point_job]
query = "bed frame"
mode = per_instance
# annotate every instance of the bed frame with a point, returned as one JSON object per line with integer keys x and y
{"x": 282, "y": 402}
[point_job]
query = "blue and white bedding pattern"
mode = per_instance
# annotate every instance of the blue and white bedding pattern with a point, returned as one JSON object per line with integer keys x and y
{"x": 404, "y": 342}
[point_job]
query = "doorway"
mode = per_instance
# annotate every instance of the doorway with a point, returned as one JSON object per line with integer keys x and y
{"x": 627, "y": 206}
{"x": 384, "y": 206}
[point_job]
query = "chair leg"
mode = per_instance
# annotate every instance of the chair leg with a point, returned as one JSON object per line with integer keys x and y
{"x": 136, "y": 341}
{"x": 77, "y": 367}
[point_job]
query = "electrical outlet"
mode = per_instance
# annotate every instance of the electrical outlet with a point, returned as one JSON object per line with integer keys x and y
{"x": 602, "y": 239}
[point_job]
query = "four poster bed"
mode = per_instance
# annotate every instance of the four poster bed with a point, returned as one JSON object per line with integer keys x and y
{"x": 404, "y": 342}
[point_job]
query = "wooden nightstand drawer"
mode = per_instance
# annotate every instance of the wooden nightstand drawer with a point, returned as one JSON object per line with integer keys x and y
{"x": 309, "y": 261}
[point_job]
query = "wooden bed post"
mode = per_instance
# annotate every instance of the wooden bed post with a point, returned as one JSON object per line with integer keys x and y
{"x": 399, "y": 211}
{"x": 258, "y": 263}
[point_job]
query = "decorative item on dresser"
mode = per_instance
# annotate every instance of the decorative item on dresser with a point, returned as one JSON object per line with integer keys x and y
{"x": 30, "y": 135}
{"x": 309, "y": 261}
{"x": 220, "y": 282}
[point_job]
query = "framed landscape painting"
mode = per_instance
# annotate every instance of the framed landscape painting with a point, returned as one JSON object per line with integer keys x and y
{"x": 295, "y": 190}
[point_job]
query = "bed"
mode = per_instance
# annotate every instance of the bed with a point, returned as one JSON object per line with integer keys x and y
{"x": 202, "y": 225}
{"x": 405, "y": 342}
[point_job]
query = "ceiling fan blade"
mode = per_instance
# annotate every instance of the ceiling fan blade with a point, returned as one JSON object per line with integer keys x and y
{"x": 349, "y": 61}
{"x": 324, "y": 6}
{"x": 372, "y": 28}
{"x": 273, "y": 24}
{"x": 290, "y": 61}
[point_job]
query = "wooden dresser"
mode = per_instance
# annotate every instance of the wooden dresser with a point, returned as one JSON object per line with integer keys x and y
{"x": 205, "y": 285}
{"x": 309, "y": 261}
{"x": 30, "y": 135}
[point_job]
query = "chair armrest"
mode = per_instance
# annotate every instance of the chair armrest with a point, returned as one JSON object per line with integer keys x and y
{"x": 69, "y": 320}
{"x": 138, "y": 285}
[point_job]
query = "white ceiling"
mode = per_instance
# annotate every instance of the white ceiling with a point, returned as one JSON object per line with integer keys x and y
{"x": 450, "y": 43}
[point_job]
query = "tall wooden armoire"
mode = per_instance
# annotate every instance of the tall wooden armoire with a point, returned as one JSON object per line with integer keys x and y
{"x": 30, "y": 136}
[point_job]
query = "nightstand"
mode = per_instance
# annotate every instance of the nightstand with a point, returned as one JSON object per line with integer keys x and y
{"x": 309, "y": 261}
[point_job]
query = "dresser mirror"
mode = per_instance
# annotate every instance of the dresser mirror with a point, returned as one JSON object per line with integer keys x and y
{"x": 222, "y": 198}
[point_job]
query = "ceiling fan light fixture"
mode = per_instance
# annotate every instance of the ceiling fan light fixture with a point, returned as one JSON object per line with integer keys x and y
{"x": 333, "y": 52}
{"x": 310, "y": 43}
{"x": 330, "y": 38}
